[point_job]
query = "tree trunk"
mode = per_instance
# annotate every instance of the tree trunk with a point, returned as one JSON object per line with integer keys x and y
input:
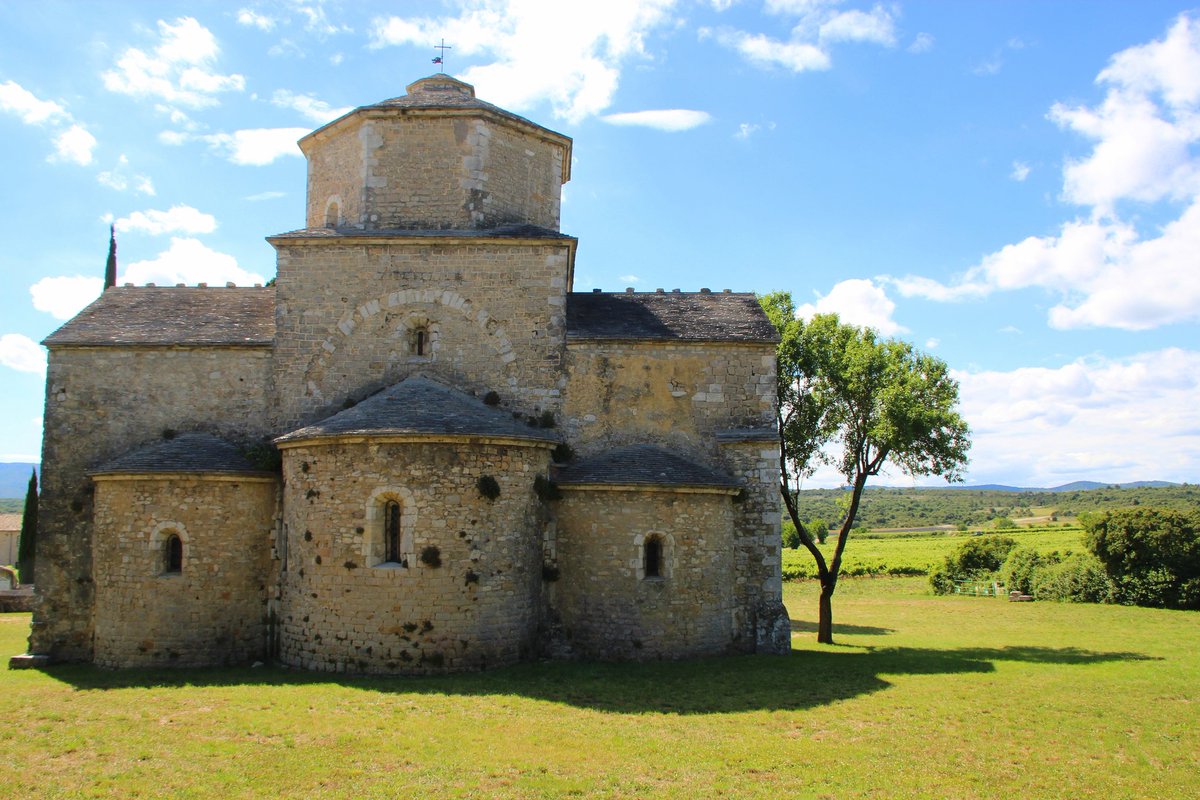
{"x": 825, "y": 613}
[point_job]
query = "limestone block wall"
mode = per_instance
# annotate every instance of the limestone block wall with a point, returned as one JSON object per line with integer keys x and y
{"x": 337, "y": 174}
{"x": 466, "y": 594}
{"x": 675, "y": 393}
{"x": 214, "y": 610}
{"x": 346, "y": 315}
{"x": 104, "y": 401}
{"x": 430, "y": 171}
{"x": 610, "y": 609}
{"x": 762, "y": 622}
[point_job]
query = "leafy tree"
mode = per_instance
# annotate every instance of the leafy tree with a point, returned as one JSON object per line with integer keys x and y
{"x": 881, "y": 400}
{"x": 818, "y": 528}
{"x": 27, "y": 544}
{"x": 1151, "y": 554}
{"x": 978, "y": 558}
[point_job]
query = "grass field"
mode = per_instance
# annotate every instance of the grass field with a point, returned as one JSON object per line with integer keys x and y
{"x": 924, "y": 696}
{"x": 879, "y": 553}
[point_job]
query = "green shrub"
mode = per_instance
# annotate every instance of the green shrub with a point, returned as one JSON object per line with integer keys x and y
{"x": 1020, "y": 569}
{"x": 1151, "y": 554}
{"x": 791, "y": 537}
{"x": 978, "y": 558}
{"x": 1077, "y": 579}
{"x": 818, "y": 528}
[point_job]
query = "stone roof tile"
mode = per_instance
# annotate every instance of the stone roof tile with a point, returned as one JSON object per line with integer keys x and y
{"x": 641, "y": 464}
{"x": 190, "y": 315}
{"x": 693, "y": 316}
{"x": 419, "y": 406}
{"x": 185, "y": 452}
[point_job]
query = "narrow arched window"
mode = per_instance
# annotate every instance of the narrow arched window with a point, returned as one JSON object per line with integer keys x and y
{"x": 652, "y": 558}
{"x": 173, "y": 554}
{"x": 391, "y": 531}
{"x": 421, "y": 343}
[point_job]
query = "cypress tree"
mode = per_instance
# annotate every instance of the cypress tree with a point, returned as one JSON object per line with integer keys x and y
{"x": 29, "y": 523}
{"x": 110, "y": 269}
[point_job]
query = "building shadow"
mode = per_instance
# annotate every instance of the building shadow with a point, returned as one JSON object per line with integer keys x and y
{"x": 805, "y": 679}
{"x": 807, "y": 626}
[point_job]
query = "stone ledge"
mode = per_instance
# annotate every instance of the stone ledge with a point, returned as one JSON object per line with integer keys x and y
{"x": 29, "y": 661}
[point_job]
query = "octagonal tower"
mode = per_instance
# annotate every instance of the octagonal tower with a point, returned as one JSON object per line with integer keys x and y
{"x": 435, "y": 159}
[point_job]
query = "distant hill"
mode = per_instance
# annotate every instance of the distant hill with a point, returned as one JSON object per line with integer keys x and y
{"x": 1074, "y": 486}
{"x": 14, "y": 479}
{"x": 977, "y": 506}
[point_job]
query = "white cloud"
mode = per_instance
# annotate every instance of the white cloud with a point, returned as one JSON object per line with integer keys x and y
{"x": 21, "y": 353}
{"x": 18, "y": 100}
{"x": 189, "y": 261}
{"x": 75, "y": 145}
{"x": 65, "y": 296}
{"x": 1106, "y": 271}
{"x": 747, "y": 129}
{"x": 316, "y": 110}
{"x": 923, "y": 43}
{"x": 666, "y": 119}
{"x": 179, "y": 70}
{"x": 818, "y": 25}
{"x": 253, "y": 19}
{"x": 1108, "y": 419}
{"x": 629, "y": 279}
{"x": 119, "y": 179}
{"x": 257, "y": 146}
{"x": 875, "y": 26}
{"x": 272, "y": 195}
{"x": 858, "y": 302}
{"x": 588, "y": 45}
{"x": 1020, "y": 171}
{"x": 765, "y": 51}
{"x": 932, "y": 343}
{"x": 178, "y": 219}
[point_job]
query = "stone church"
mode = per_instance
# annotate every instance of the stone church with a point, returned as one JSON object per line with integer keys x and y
{"x": 418, "y": 450}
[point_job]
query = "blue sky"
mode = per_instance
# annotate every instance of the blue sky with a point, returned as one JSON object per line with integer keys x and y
{"x": 1013, "y": 186}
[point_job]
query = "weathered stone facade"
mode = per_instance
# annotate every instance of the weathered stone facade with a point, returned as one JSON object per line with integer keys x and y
{"x": 457, "y": 487}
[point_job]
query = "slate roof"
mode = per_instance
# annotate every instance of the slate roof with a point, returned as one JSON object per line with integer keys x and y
{"x": 641, "y": 464}
{"x": 185, "y": 452}
{"x": 511, "y": 231}
{"x": 142, "y": 315}
{"x": 691, "y": 316}
{"x": 419, "y": 406}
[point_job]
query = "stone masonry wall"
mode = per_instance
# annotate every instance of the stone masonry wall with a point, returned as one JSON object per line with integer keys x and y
{"x": 336, "y": 171}
{"x": 676, "y": 394}
{"x": 609, "y": 609}
{"x": 762, "y": 621}
{"x": 345, "y": 609}
{"x": 346, "y": 316}
{"x": 102, "y": 402}
{"x": 213, "y": 611}
{"x": 434, "y": 172}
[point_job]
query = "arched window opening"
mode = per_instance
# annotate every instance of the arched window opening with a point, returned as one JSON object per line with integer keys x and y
{"x": 333, "y": 213}
{"x": 653, "y": 558}
{"x": 391, "y": 532}
{"x": 421, "y": 341}
{"x": 173, "y": 554}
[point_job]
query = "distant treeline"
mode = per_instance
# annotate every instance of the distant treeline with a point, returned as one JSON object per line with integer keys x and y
{"x": 918, "y": 508}
{"x": 14, "y": 505}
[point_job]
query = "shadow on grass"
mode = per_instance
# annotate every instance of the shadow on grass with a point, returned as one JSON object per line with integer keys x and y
{"x": 807, "y": 626}
{"x": 706, "y": 686}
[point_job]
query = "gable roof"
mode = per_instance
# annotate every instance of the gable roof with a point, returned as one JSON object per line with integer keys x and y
{"x": 689, "y": 316}
{"x": 641, "y": 464}
{"x": 186, "y": 315}
{"x": 418, "y": 406}
{"x": 10, "y": 522}
{"x": 185, "y": 452}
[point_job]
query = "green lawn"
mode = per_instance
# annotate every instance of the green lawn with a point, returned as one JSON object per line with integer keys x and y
{"x": 923, "y": 697}
{"x": 877, "y": 553}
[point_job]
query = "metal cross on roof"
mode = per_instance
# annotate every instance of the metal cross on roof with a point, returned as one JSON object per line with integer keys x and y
{"x": 440, "y": 58}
